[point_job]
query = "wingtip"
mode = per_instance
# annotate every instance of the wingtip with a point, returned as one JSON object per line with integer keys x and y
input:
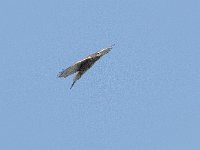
{"x": 72, "y": 85}
{"x": 60, "y": 75}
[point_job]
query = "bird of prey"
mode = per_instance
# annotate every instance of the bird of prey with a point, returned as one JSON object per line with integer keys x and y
{"x": 80, "y": 67}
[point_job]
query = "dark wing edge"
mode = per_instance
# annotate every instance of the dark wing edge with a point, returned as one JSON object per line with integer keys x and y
{"x": 66, "y": 72}
{"x": 71, "y": 70}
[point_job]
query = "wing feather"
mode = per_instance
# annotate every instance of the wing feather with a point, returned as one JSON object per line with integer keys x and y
{"x": 71, "y": 70}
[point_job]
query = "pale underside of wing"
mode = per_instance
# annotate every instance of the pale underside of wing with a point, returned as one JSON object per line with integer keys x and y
{"x": 71, "y": 70}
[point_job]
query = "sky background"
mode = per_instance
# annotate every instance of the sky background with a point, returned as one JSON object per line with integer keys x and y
{"x": 144, "y": 94}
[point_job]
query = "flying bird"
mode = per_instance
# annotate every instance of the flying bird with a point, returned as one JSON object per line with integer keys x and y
{"x": 80, "y": 67}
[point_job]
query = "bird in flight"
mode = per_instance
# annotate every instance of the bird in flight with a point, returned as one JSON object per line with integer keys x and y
{"x": 80, "y": 67}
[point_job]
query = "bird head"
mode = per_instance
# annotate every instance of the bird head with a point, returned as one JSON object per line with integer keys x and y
{"x": 104, "y": 51}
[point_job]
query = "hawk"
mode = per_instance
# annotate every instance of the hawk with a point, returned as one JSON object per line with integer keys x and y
{"x": 80, "y": 67}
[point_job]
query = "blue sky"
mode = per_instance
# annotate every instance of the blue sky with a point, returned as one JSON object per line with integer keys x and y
{"x": 143, "y": 95}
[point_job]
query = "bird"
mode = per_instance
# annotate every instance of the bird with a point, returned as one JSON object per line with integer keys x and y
{"x": 81, "y": 66}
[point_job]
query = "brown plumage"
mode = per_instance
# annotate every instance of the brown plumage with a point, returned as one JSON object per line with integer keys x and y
{"x": 83, "y": 65}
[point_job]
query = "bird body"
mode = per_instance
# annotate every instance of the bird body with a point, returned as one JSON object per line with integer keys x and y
{"x": 83, "y": 65}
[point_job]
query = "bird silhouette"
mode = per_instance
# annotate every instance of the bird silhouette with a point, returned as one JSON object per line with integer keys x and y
{"x": 81, "y": 66}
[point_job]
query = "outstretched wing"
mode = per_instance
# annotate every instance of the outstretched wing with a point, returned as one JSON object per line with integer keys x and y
{"x": 71, "y": 70}
{"x": 77, "y": 77}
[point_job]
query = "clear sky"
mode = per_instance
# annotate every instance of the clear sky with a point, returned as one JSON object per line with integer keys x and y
{"x": 144, "y": 94}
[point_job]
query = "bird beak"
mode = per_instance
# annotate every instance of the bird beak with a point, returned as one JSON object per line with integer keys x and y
{"x": 105, "y": 51}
